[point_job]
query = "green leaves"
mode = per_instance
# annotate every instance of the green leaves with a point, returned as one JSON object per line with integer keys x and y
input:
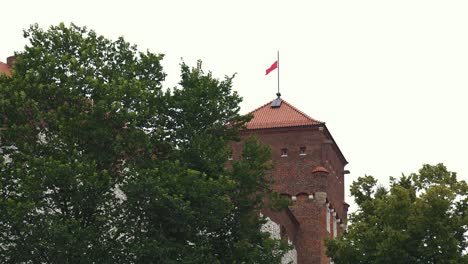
{"x": 363, "y": 189}
{"x": 101, "y": 165}
{"x": 420, "y": 219}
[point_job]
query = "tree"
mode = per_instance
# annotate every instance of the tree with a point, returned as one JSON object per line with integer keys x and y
{"x": 421, "y": 218}
{"x": 100, "y": 164}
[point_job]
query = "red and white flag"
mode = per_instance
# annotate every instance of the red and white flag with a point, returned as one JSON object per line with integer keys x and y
{"x": 272, "y": 67}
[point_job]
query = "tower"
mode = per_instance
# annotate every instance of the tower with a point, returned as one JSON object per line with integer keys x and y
{"x": 309, "y": 170}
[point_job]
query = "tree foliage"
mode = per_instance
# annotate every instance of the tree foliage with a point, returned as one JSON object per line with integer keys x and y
{"x": 420, "y": 218}
{"x": 100, "y": 164}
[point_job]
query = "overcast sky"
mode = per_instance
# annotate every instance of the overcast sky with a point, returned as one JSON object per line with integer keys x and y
{"x": 389, "y": 78}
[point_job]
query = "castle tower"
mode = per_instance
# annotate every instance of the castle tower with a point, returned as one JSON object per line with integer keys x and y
{"x": 308, "y": 169}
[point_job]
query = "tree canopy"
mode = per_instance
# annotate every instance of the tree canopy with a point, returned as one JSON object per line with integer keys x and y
{"x": 100, "y": 164}
{"x": 420, "y": 218}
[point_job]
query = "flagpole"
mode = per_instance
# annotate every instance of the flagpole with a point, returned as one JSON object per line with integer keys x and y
{"x": 278, "y": 94}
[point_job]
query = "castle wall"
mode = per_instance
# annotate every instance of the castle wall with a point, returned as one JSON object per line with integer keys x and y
{"x": 314, "y": 194}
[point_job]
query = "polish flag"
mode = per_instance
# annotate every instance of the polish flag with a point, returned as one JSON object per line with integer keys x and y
{"x": 272, "y": 67}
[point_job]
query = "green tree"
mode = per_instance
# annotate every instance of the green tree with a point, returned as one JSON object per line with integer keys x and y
{"x": 100, "y": 164}
{"x": 421, "y": 218}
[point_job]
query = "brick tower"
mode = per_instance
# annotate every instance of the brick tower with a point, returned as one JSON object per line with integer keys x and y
{"x": 309, "y": 170}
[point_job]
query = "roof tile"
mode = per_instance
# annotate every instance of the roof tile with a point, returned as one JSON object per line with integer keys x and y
{"x": 285, "y": 115}
{"x": 320, "y": 169}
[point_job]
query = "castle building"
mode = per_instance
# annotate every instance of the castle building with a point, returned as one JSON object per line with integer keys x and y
{"x": 309, "y": 170}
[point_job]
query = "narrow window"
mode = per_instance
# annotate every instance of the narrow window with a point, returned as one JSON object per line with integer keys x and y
{"x": 328, "y": 219}
{"x": 335, "y": 227}
{"x": 230, "y": 154}
{"x": 302, "y": 151}
{"x": 284, "y": 152}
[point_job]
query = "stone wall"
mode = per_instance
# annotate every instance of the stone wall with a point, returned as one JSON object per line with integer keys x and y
{"x": 275, "y": 231}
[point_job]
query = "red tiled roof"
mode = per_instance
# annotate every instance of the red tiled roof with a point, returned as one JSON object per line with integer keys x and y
{"x": 320, "y": 169}
{"x": 285, "y": 115}
{"x": 4, "y": 69}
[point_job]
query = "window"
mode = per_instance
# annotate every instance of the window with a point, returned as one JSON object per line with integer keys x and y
{"x": 335, "y": 227}
{"x": 302, "y": 151}
{"x": 328, "y": 219}
{"x": 230, "y": 157}
{"x": 284, "y": 152}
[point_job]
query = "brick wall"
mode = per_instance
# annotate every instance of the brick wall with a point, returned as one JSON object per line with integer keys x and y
{"x": 311, "y": 192}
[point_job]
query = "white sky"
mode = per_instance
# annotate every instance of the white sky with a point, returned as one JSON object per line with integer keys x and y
{"x": 388, "y": 77}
